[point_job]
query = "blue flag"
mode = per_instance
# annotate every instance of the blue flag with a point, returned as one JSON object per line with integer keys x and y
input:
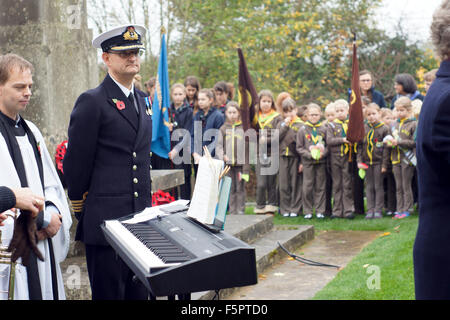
{"x": 161, "y": 105}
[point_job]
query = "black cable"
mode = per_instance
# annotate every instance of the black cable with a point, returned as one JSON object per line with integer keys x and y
{"x": 307, "y": 261}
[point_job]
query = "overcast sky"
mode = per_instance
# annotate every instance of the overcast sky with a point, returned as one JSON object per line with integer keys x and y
{"x": 416, "y": 16}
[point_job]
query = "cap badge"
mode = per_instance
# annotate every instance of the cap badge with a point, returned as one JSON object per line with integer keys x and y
{"x": 130, "y": 34}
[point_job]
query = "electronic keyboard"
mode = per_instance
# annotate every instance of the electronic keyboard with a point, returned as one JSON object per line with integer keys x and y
{"x": 175, "y": 254}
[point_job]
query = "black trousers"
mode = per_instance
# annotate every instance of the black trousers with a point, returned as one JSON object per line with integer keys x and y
{"x": 159, "y": 163}
{"x": 358, "y": 187}
{"x": 110, "y": 277}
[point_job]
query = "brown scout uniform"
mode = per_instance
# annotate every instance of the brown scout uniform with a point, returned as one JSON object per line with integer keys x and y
{"x": 267, "y": 183}
{"x": 343, "y": 205}
{"x": 375, "y": 154}
{"x": 231, "y": 142}
{"x": 314, "y": 171}
{"x": 403, "y": 131}
{"x": 290, "y": 181}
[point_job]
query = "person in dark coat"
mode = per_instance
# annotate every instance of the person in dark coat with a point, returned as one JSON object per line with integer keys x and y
{"x": 107, "y": 164}
{"x": 431, "y": 248}
{"x": 368, "y": 89}
{"x": 208, "y": 118}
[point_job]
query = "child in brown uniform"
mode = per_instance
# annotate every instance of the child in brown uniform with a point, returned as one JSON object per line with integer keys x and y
{"x": 373, "y": 157}
{"x": 402, "y": 156}
{"x": 339, "y": 148}
{"x": 313, "y": 152}
{"x": 266, "y": 183}
{"x": 232, "y": 149}
{"x": 289, "y": 177}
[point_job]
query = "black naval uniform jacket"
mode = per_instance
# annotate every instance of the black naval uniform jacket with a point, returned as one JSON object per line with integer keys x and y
{"x": 107, "y": 164}
{"x": 431, "y": 253}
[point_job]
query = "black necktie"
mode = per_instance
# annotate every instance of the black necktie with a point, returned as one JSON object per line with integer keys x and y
{"x": 131, "y": 98}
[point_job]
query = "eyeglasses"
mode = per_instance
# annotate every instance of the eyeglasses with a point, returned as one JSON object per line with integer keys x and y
{"x": 128, "y": 53}
{"x": 366, "y": 80}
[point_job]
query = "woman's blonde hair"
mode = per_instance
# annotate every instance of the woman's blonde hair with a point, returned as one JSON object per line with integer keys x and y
{"x": 440, "y": 30}
{"x": 416, "y": 107}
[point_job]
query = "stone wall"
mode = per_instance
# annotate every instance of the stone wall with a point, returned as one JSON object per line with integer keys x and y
{"x": 53, "y": 36}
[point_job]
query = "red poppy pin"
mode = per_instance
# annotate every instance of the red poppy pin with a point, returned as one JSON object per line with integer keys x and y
{"x": 119, "y": 104}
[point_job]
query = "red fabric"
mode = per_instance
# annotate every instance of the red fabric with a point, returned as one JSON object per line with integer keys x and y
{"x": 59, "y": 155}
{"x": 160, "y": 197}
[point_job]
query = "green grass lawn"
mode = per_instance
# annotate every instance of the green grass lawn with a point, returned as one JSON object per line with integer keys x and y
{"x": 382, "y": 271}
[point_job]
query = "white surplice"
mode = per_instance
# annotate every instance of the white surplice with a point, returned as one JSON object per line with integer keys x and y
{"x": 54, "y": 192}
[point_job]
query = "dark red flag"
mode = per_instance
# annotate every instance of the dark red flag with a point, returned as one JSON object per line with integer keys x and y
{"x": 247, "y": 95}
{"x": 355, "y": 132}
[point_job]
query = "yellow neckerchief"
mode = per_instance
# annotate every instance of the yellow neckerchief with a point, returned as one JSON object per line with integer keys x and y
{"x": 401, "y": 122}
{"x": 237, "y": 123}
{"x": 264, "y": 120}
{"x": 293, "y": 121}
{"x": 314, "y": 136}
{"x": 369, "y": 138}
{"x": 345, "y": 146}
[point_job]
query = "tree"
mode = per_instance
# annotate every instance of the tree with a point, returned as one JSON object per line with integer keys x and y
{"x": 303, "y": 47}
{"x": 388, "y": 56}
{"x": 298, "y": 46}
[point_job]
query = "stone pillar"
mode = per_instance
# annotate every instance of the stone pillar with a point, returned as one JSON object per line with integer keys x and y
{"x": 52, "y": 35}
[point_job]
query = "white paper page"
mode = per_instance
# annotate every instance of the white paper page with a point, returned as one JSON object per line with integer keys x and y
{"x": 153, "y": 212}
{"x": 206, "y": 191}
{"x": 147, "y": 214}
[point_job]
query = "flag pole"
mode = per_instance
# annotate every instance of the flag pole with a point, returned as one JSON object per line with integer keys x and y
{"x": 350, "y": 144}
{"x": 163, "y": 32}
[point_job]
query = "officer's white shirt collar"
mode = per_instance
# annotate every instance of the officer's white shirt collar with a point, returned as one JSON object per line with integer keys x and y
{"x": 124, "y": 89}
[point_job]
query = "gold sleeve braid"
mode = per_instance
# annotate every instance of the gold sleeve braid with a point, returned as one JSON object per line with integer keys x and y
{"x": 78, "y": 205}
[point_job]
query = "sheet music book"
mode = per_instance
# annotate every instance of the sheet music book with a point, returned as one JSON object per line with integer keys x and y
{"x": 205, "y": 198}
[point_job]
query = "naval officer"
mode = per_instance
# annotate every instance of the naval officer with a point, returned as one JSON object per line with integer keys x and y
{"x": 107, "y": 164}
